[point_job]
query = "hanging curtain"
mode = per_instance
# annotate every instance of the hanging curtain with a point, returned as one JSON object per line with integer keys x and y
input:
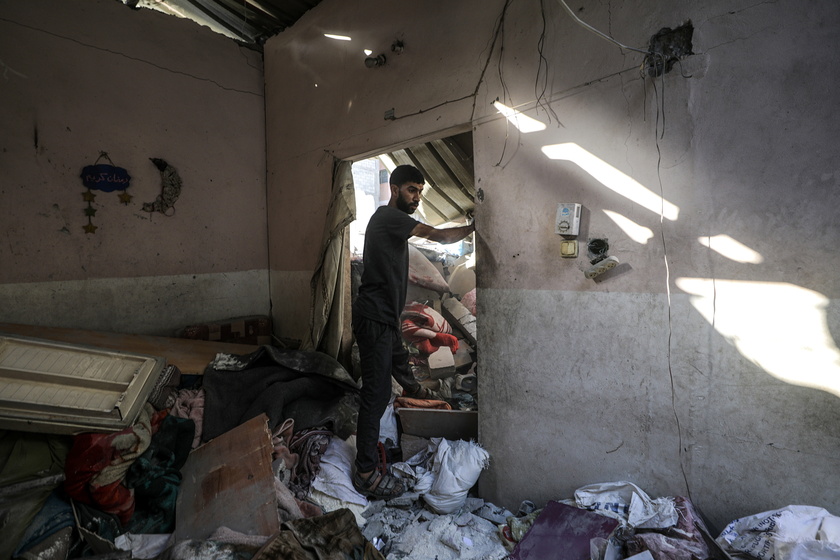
{"x": 326, "y": 323}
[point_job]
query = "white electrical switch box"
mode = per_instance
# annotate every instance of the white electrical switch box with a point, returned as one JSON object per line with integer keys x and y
{"x": 569, "y": 248}
{"x": 568, "y": 219}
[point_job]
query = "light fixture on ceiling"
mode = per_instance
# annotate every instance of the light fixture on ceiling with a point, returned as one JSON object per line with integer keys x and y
{"x": 375, "y": 61}
{"x": 337, "y": 37}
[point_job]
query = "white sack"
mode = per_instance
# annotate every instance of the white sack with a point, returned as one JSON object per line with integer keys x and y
{"x": 444, "y": 472}
{"x": 629, "y": 504}
{"x": 456, "y": 465}
{"x": 421, "y": 272}
{"x": 790, "y": 533}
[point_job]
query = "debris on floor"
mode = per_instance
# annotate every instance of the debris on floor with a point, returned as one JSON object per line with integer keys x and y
{"x": 415, "y": 533}
{"x": 563, "y": 531}
{"x": 272, "y": 481}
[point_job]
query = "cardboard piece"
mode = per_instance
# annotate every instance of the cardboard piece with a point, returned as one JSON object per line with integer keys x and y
{"x": 228, "y": 482}
{"x": 441, "y": 363}
{"x": 563, "y": 532}
{"x": 462, "y": 357}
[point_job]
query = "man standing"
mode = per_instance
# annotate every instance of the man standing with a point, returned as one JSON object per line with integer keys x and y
{"x": 376, "y": 320}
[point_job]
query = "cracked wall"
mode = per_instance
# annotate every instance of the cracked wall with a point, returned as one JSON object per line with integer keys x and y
{"x": 707, "y": 366}
{"x": 81, "y": 77}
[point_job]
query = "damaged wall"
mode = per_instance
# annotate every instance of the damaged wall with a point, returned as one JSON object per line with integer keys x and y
{"x": 84, "y": 76}
{"x": 707, "y": 363}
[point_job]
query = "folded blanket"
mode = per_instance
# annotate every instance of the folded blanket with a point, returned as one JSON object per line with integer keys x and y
{"x": 426, "y": 329}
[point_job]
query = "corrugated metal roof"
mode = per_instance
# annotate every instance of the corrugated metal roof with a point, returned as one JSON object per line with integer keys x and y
{"x": 447, "y": 165}
{"x": 249, "y": 21}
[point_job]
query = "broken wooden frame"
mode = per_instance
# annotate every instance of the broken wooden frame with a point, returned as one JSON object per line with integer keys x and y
{"x": 59, "y": 388}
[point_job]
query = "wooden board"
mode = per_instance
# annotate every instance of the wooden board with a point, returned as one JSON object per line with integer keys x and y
{"x": 228, "y": 482}
{"x": 191, "y": 356}
{"x": 448, "y": 424}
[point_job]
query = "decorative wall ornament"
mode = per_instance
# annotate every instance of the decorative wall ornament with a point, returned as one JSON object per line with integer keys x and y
{"x": 106, "y": 178}
{"x": 170, "y": 189}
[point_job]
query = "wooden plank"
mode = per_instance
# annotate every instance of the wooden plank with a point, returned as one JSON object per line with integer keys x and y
{"x": 65, "y": 380}
{"x": 191, "y": 356}
{"x": 448, "y": 424}
{"x": 228, "y": 482}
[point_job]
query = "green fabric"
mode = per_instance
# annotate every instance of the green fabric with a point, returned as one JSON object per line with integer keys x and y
{"x": 25, "y": 457}
{"x": 156, "y": 476}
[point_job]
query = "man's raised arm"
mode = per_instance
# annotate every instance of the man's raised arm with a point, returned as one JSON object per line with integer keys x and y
{"x": 445, "y": 236}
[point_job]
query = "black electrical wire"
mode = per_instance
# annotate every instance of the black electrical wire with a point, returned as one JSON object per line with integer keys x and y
{"x": 539, "y": 95}
{"x": 660, "y": 108}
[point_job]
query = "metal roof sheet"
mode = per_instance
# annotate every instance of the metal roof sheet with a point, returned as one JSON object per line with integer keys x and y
{"x": 249, "y": 21}
{"x": 447, "y": 165}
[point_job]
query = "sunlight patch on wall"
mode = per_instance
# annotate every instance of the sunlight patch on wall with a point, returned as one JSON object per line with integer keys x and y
{"x": 521, "y": 121}
{"x": 731, "y": 249}
{"x": 780, "y": 327}
{"x": 638, "y": 233}
{"x": 612, "y": 178}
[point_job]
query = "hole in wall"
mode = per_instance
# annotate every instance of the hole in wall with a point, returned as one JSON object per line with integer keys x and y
{"x": 668, "y": 46}
{"x": 597, "y": 248}
{"x": 438, "y": 273}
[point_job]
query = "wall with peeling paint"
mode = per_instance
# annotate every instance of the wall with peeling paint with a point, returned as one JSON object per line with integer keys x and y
{"x": 706, "y": 364}
{"x": 84, "y": 76}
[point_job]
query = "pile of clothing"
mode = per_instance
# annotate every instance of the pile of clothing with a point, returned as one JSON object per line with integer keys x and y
{"x": 91, "y": 490}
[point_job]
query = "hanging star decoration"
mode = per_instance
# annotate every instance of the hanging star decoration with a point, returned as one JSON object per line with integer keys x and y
{"x": 106, "y": 178}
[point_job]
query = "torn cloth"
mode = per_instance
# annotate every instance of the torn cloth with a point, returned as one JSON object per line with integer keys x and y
{"x": 155, "y": 476}
{"x": 308, "y": 387}
{"x": 310, "y": 445}
{"x": 406, "y": 402}
{"x": 189, "y": 403}
{"x": 682, "y": 542}
{"x": 332, "y": 536}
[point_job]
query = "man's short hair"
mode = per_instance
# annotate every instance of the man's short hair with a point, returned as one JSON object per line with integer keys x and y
{"x": 403, "y": 174}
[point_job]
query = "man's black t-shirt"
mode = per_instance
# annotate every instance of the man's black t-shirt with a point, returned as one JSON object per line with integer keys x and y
{"x": 385, "y": 277}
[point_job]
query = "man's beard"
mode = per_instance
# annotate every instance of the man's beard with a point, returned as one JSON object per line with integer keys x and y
{"x": 405, "y": 206}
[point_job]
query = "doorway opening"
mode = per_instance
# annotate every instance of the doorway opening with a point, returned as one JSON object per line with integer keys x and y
{"x": 441, "y": 294}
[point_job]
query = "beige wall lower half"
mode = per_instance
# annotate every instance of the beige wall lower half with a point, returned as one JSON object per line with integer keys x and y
{"x": 150, "y": 305}
{"x": 578, "y": 388}
{"x": 290, "y": 302}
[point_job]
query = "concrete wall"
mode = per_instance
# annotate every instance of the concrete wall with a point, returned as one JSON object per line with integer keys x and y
{"x": 84, "y": 76}
{"x": 707, "y": 363}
